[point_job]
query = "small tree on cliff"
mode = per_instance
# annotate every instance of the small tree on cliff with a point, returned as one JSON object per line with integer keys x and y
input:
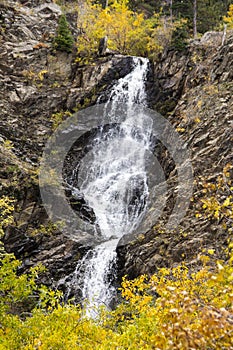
{"x": 64, "y": 40}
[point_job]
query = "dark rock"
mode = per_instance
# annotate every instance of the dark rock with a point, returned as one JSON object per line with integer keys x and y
{"x": 15, "y": 241}
{"x": 103, "y": 46}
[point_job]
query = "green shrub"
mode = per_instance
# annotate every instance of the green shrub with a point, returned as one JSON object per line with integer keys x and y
{"x": 64, "y": 40}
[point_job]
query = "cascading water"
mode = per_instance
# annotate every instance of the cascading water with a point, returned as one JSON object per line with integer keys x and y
{"x": 112, "y": 178}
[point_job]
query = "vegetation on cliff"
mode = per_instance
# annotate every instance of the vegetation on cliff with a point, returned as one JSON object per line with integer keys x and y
{"x": 229, "y": 18}
{"x": 63, "y": 40}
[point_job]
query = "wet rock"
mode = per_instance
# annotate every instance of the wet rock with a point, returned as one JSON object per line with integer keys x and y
{"x": 18, "y": 243}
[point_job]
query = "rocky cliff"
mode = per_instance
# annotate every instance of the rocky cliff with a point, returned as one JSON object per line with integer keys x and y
{"x": 41, "y": 87}
{"x": 194, "y": 88}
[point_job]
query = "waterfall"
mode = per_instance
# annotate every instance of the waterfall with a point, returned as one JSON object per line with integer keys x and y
{"x": 93, "y": 277}
{"x": 112, "y": 178}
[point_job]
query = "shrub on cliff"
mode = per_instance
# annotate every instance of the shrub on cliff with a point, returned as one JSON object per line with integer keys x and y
{"x": 63, "y": 40}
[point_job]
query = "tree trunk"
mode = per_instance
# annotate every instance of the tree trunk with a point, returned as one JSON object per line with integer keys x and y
{"x": 195, "y": 18}
{"x": 171, "y": 14}
{"x": 224, "y": 33}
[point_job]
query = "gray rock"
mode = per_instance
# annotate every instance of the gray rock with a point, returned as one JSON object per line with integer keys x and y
{"x": 48, "y": 9}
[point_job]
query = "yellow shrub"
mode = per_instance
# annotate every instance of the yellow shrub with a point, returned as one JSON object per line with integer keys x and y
{"x": 174, "y": 309}
{"x": 217, "y": 198}
{"x": 6, "y": 210}
{"x": 229, "y": 18}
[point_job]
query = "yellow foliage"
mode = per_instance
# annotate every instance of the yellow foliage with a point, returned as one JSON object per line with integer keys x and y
{"x": 128, "y": 32}
{"x": 174, "y": 309}
{"x": 41, "y": 74}
{"x": 58, "y": 117}
{"x": 6, "y": 210}
{"x": 33, "y": 76}
{"x": 180, "y": 130}
{"x": 217, "y": 198}
{"x": 8, "y": 144}
{"x": 229, "y": 18}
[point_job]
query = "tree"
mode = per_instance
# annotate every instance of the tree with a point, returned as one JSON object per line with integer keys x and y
{"x": 180, "y": 36}
{"x": 194, "y": 18}
{"x": 184, "y": 10}
{"x": 202, "y": 15}
{"x": 128, "y": 32}
{"x": 64, "y": 40}
{"x": 210, "y": 14}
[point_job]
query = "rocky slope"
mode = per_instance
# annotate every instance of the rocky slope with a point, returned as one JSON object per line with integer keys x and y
{"x": 199, "y": 84}
{"x": 192, "y": 88}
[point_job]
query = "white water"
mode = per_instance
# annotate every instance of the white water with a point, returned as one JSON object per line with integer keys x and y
{"x": 97, "y": 278}
{"x": 113, "y": 179}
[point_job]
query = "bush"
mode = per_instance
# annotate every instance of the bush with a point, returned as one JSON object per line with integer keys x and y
{"x": 63, "y": 41}
{"x": 174, "y": 309}
{"x": 6, "y": 210}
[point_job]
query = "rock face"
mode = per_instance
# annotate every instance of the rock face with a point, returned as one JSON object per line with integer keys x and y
{"x": 199, "y": 83}
{"x": 192, "y": 88}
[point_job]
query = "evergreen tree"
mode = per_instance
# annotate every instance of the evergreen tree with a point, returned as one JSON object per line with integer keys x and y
{"x": 209, "y": 13}
{"x": 202, "y": 15}
{"x": 64, "y": 40}
{"x": 179, "y": 37}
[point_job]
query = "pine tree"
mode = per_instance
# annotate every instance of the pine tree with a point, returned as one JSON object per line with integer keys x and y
{"x": 179, "y": 37}
{"x": 64, "y": 40}
{"x": 209, "y": 14}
